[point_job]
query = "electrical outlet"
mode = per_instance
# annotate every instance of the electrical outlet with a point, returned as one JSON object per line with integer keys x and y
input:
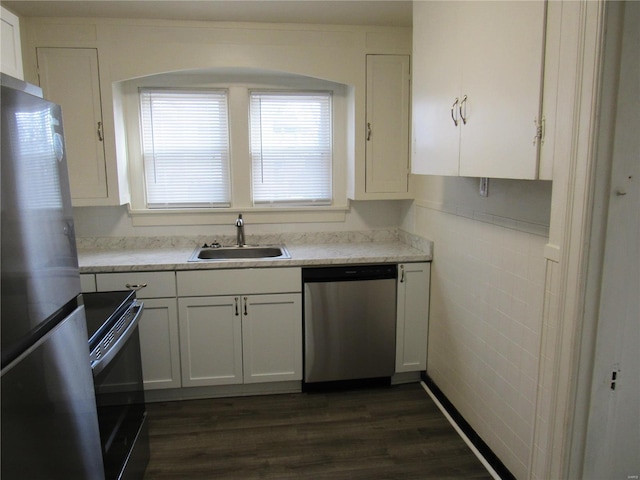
{"x": 484, "y": 187}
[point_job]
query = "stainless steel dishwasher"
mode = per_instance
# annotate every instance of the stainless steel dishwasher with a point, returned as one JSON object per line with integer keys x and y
{"x": 349, "y": 324}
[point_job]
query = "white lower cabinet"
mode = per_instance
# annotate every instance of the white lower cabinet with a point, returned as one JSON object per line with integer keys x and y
{"x": 253, "y": 337}
{"x": 159, "y": 336}
{"x": 412, "y": 316}
{"x": 210, "y": 341}
{"x": 272, "y": 338}
{"x": 196, "y": 331}
{"x": 159, "y": 346}
{"x": 87, "y": 283}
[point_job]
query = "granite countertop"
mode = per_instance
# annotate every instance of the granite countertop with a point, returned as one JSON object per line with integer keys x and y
{"x": 127, "y": 255}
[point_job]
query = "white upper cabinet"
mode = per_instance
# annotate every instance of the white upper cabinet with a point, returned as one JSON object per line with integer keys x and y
{"x": 70, "y": 78}
{"x": 387, "y": 135}
{"x": 477, "y": 86}
{"x": 11, "y": 54}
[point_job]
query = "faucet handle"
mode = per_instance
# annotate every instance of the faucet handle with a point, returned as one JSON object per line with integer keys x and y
{"x": 214, "y": 244}
{"x": 239, "y": 221}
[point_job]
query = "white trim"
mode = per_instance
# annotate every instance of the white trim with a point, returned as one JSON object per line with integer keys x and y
{"x": 238, "y": 83}
{"x": 227, "y": 216}
{"x": 221, "y": 391}
{"x": 586, "y": 432}
{"x": 572, "y": 210}
{"x": 552, "y": 252}
{"x": 462, "y": 435}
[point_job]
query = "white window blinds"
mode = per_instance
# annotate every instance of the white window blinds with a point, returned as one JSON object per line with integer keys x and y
{"x": 185, "y": 147}
{"x": 291, "y": 147}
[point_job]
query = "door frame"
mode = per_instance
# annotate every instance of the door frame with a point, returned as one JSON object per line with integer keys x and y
{"x": 579, "y": 87}
{"x": 575, "y": 252}
{"x": 594, "y": 326}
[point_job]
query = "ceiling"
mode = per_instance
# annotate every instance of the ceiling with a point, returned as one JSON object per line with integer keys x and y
{"x": 335, "y": 12}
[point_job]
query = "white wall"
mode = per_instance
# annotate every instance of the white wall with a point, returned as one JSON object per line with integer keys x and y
{"x": 115, "y": 222}
{"x": 485, "y": 321}
{"x": 130, "y": 49}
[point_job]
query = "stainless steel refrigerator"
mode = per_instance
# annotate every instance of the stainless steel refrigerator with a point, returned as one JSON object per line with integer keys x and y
{"x": 49, "y": 422}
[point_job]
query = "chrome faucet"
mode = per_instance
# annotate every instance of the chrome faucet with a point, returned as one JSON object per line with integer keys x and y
{"x": 240, "y": 231}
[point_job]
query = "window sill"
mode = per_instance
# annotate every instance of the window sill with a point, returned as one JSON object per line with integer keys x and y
{"x": 254, "y": 215}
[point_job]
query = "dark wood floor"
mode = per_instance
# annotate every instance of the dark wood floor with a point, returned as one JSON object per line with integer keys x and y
{"x": 383, "y": 433}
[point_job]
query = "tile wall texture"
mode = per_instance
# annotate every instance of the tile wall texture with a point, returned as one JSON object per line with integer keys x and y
{"x": 485, "y": 327}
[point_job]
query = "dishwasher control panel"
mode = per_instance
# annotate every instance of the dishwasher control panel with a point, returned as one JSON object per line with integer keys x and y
{"x": 344, "y": 273}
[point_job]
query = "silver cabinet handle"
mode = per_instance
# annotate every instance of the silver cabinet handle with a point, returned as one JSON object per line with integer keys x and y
{"x": 463, "y": 108}
{"x": 454, "y": 112}
{"x": 368, "y": 131}
{"x": 401, "y": 273}
{"x": 245, "y": 307}
{"x": 136, "y": 287}
{"x": 100, "y": 132}
{"x": 236, "y": 300}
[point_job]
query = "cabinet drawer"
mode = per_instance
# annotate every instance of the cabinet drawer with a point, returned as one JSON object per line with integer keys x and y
{"x": 159, "y": 284}
{"x": 87, "y": 283}
{"x": 246, "y": 281}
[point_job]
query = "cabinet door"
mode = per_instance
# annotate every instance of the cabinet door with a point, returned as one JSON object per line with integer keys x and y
{"x": 210, "y": 340}
{"x": 272, "y": 337}
{"x": 69, "y": 77}
{"x": 436, "y": 84}
{"x": 501, "y": 62}
{"x": 159, "y": 344}
{"x": 11, "y": 54}
{"x": 413, "y": 317}
{"x": 477, "y": 84}
{"x": 387, "y": 147}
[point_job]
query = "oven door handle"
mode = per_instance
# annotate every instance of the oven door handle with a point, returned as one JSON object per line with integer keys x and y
{"x": 99, "y": 365}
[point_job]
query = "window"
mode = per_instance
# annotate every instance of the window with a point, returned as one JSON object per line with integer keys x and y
{"x": 291, "y": 148}
{"x": 205, "y": 145}
{"x": 185, "y": 144}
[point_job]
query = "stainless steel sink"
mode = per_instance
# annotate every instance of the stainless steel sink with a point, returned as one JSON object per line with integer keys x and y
{"x": 217, "y": 253}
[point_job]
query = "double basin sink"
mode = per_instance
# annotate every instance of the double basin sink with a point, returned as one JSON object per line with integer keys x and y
{"x": 216, "y": 252}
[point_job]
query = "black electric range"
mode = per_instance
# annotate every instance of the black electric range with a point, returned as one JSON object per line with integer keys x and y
{"x": 114, "y": 345}
{"x": 102, "y": 310}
